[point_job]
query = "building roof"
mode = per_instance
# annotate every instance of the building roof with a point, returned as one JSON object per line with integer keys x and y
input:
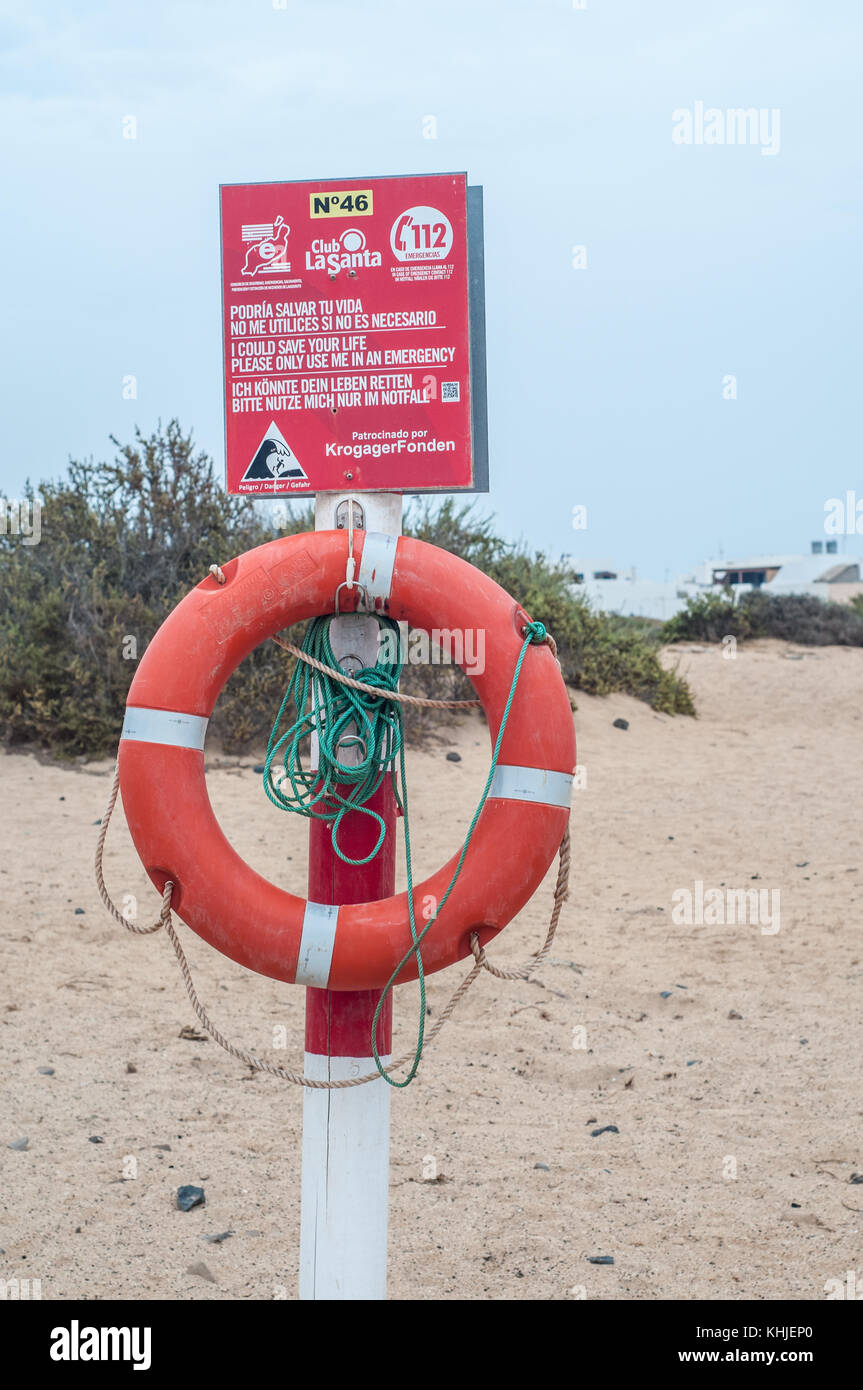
{"x": 761, "y": 562}
{"x": 847, "y": 572}
{"x": 814, "y": 569}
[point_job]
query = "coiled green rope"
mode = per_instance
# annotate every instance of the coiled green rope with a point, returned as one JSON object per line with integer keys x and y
{"x": 340, "y": 716}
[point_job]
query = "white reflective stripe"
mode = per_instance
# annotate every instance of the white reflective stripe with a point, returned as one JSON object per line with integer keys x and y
{"x": 376, "y": 566}
{"x": 165, "y": 726}
{"x": 531, "y": 784}
{"x": 316, "y": 944}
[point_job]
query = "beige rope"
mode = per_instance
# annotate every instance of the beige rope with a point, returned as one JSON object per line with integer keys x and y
{"x": 165, "y": 920}
{"x": 165, "y": 915}
{"x": 371, "y": 689}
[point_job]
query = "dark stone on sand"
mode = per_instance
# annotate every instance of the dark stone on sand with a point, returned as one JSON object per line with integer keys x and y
{"x": 189, "y": 1197}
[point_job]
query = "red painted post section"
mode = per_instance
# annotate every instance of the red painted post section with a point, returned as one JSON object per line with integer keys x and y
{"x": 339, "y": 1022}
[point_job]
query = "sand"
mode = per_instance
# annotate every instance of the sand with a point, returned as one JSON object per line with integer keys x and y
{"x": 763, "y": 790}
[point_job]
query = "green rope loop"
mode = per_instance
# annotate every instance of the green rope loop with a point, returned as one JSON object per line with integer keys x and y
{"x": 331, "y": 709}
{"x": 341, "y": 718}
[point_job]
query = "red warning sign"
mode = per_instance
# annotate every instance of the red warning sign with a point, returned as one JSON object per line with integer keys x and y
{"x": 354, "y": 336}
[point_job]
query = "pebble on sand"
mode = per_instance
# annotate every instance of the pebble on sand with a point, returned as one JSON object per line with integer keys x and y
{"x": 189, "y": 1197}
{"x": 606, "y": 1129}
{"x": 453, "y": 757}
{"x": 620, "y": 724}
{"x": 19, "y": 1144}
{"x": 202, "y": 1271}
{"x": 600, "y": 1259}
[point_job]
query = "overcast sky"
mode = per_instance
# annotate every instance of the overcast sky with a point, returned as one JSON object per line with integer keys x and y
{"x": 605, "y": 383}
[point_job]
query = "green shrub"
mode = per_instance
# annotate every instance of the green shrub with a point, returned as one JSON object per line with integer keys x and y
{"x": 708, "y": 618}
{"x": 123, "y": 541}
{"x": 800, "y": 618}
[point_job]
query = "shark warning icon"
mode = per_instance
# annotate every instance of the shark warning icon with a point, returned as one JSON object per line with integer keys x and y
{"x": 274, "y": 460}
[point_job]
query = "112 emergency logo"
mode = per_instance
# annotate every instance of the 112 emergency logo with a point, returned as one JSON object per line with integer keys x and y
{"x": 421, "y": 234}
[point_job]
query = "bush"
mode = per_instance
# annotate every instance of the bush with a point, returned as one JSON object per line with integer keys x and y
{"x": 123, "y": 541}
{"x": 800, "y": 618}
{"x": 707, "y": 618}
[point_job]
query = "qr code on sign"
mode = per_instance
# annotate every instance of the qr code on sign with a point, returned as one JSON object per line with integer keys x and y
{"x": 449, "y": 391}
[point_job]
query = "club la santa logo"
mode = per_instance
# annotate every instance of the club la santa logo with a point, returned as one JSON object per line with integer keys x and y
{"x": 345, "y": 252}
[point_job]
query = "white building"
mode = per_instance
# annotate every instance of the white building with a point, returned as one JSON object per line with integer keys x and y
{"x": 823, "y": 574}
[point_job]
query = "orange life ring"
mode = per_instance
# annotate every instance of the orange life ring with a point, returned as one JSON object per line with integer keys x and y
{"x": 164, "y": 790}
